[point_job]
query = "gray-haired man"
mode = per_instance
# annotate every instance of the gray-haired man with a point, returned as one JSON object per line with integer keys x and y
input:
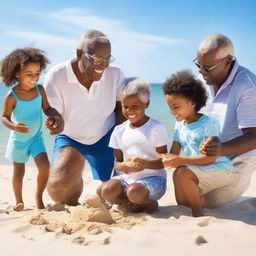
{"x": 231, "y": 99}
{"x": 85, "y": 90}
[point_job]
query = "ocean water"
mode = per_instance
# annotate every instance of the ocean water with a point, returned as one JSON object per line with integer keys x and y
{"x": 158, "y": 109}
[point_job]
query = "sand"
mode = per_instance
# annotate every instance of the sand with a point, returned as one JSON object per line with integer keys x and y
{"x": 93, "y": 229}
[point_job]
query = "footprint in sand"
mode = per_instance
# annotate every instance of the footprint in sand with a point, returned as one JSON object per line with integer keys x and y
{"x": 200, "y": 240}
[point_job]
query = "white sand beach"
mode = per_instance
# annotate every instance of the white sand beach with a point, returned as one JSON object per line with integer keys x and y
{"x": 92, "y": 230}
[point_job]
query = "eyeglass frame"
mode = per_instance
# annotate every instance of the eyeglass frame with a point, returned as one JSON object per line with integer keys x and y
{"x": 205, "y": 68}
{"x": 108, "y": 61}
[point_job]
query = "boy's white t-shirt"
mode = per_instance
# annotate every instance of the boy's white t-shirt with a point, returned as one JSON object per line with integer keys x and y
{"x": 88, "y": 114}
{"x": 141, "y": 142}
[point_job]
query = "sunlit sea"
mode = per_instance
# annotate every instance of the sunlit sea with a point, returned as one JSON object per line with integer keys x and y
{"x": 158, "y": 109}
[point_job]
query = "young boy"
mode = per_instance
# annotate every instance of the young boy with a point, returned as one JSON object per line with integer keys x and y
{"x": 195, "y": 174}
{"x": 136, "y": 142}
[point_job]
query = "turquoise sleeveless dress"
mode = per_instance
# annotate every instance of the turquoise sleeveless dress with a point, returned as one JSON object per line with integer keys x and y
{"x": 21, "y": 145}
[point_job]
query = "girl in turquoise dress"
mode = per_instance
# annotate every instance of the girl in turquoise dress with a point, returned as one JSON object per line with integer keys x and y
{"x": 22, "y": 114}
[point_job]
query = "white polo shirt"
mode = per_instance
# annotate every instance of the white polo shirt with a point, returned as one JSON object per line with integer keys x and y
{"x": 234, "y": 105}
{"x": 88, "y": 114}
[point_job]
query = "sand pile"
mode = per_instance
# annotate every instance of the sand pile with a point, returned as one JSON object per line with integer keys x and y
{"x": 90, "y": 218}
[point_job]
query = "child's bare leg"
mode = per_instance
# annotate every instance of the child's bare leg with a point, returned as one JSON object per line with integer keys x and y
{"x": 18, "y": 174}
{"x": 179, "y": 194}
{"x": 137, "y": 193}
{"x": 112, "y": 191}
{"x": 103, "y": 201}
{"x": 189, "y": 184}
{"x": 43, "y": 167}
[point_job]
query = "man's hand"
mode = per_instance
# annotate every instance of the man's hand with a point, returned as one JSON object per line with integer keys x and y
{"x": 210, "y": 146}
{"x": 55, "y": 124}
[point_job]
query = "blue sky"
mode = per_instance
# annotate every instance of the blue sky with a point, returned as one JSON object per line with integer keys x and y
{"x": 150, "y": 39}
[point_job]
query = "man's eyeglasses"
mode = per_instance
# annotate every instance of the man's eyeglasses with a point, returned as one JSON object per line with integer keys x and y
{"x": 99, "y": 60}
{"x": 207, "y": 69}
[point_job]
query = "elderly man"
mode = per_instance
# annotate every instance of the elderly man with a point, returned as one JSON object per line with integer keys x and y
{"x": 85, "y": 90}
{"x": 232, "y": 100}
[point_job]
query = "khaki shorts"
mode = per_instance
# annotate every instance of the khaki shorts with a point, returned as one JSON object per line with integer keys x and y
{"x": 211, "y": 179}
{"x": 228, "y": 186}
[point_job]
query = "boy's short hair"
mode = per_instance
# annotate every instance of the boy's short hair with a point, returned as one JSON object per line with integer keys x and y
{"x": 185, "y": 84}
{"x": 136, "y": 86}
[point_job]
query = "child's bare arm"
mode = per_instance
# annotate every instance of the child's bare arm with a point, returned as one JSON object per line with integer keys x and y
{"x": 55, "y": 121}
{"x": 174, "y": 160}
{"x": 175, "y": 148}
{"x": 9, "y": 105}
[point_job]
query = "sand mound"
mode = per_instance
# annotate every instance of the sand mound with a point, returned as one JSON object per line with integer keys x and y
{"x": 84, "y": 221}
{"x": 84, "y": 213}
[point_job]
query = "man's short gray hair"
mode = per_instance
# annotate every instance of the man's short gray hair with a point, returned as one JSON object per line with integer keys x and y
{"x": 217, "y": 41}
{"x": 137, "y": 86}
{"x": 88, "y": 39}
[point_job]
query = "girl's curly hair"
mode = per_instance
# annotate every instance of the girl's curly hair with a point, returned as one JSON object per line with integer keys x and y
{"x": 17, "y": 59}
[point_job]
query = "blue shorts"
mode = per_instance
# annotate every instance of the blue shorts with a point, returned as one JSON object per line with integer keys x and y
{"x": 155, "y": 184}
{"x": 99, "y": 155}
{"x": 19, "y": 152}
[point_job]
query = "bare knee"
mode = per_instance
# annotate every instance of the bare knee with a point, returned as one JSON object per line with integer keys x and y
{"x": 63, "y": 188}
{"x": 65, "y": 183}
{"x": 137, "y": 193}
{"x": 183, "y": 173}
{"x": 65, "y": 192}
{"x": 111, "y": 190}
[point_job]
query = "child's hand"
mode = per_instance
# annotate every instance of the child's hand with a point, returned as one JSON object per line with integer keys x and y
{"x": 171, "y": 160}
{"x": 160, "y": 156}
{"x": 135, "y": 164}
{"x": 55, "y": 124}
{"x": 21, "y": 127}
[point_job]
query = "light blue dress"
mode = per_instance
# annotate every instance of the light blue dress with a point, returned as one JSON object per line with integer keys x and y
{"x": 21, "y": 145}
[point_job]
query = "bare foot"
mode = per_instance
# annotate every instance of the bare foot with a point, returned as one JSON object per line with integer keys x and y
{"x": 197, "y": 213}
{"x": 18, "y": 207}
{"x": 130, "y": 207}
{"x": 138, "y": 208}
{"x": 40, "y": 204}
{"x": 151, "y": 207}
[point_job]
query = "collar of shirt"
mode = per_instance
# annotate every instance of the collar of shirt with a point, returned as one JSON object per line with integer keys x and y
{"x": 71, "y": 77}
{"x": 231, "y": 75}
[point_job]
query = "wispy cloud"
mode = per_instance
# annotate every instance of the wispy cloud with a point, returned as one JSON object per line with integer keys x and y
{"x": 115, "y": 29}
{"x": 58, "y": 34}
{"x": 42, "y": 37}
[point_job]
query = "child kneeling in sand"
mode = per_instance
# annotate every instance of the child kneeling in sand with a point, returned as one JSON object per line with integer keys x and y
{"x": 22, "y": 113}
{"x": 196, "y": 174}
{"x": 136, "y": 142}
